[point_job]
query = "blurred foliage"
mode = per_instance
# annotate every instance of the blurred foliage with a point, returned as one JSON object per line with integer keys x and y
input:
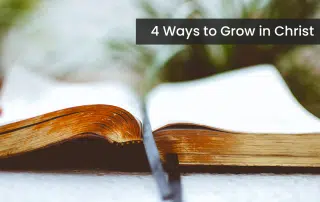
{"x": 11, "y": 11}
{"x": 150, "y": 60}
{"x": 295, "y": 9}
{"x": 301, "y": 69}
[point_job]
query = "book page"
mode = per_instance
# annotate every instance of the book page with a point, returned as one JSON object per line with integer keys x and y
{"x": 254, "y": 99}
{"x": 26, "y": 94}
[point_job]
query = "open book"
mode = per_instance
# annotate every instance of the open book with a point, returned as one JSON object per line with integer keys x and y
{"x": 244, "y": 117}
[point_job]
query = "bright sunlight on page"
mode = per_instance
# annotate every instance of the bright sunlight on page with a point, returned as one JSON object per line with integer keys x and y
{"x": 254, "y": 99}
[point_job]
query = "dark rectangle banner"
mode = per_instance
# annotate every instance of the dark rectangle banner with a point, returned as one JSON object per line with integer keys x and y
{"x": 228, "y": 31}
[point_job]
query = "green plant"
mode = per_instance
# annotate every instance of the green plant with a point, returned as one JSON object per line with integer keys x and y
{"x": 11, "y": 11}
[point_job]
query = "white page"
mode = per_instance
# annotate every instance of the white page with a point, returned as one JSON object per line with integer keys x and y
{"x": 254, "y": 99}
{"x": 27, "y": 94}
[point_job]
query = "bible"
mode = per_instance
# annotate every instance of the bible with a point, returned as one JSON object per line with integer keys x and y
{"x": 245, "y": 117}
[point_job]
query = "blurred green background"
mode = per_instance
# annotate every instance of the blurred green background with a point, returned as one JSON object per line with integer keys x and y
{"x": 299, "y": 65}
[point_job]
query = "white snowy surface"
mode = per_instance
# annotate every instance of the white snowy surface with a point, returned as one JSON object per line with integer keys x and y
{"x": 46, "y": 187}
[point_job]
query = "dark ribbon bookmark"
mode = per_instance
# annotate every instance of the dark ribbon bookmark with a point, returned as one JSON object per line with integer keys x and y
{"x": 169, "y": 186}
